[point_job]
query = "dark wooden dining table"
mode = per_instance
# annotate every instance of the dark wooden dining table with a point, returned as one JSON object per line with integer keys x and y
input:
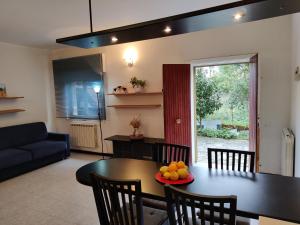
{"x": 257, "y": 194}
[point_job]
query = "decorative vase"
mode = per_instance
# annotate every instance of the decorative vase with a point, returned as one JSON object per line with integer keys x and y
{"x": 138, "y": 89}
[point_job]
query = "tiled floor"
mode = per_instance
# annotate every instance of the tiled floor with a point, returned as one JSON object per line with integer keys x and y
{"x": 49, "y": 196}
{"x": 205, "y": 142}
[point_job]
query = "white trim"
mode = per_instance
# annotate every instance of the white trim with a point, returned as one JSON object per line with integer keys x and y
{"x": 222, "y": 60}
{"x": 193, "y": 113}
{"x": 211, "y": 62}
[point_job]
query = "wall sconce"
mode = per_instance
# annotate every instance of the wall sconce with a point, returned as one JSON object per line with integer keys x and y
{"x": 130, "y": 56}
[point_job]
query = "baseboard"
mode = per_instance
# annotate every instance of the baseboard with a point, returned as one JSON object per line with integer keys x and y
{"x": 93, "y": 153}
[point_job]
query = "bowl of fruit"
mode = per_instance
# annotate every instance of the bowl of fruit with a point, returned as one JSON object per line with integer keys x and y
{"x": 175, "y": 173}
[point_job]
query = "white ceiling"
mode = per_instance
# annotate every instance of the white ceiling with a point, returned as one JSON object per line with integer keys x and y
{"x": 38, "y": 23}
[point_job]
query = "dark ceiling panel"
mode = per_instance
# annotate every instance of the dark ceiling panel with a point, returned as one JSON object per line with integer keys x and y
{"x": 220, "y": 16}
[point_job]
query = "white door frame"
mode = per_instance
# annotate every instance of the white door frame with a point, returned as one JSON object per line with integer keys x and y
{"x": 208, "y": 62}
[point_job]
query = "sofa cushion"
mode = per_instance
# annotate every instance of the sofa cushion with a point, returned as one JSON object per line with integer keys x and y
{"x": 13, "y": 136}
{"x": 45, "y": 148}
{"x": 13, "y": 157}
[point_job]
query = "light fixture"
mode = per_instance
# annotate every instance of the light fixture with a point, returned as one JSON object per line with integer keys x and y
{"x": 167, "y": 29}
{"x": 238, "y": 16}
{"x": 97, "y": 89}
{"x": 188, "y": 22}
{"x": 130, "y": 56}
{"x": 114, "y": 39}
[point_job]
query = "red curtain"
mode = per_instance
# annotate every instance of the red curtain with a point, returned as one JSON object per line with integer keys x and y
{"x": 177, "y": 103}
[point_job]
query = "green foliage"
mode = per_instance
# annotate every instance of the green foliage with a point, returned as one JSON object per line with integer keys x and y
{"x": 244, "y": 123}
{"x": 230, "y": 92}
{"x": 222, "y": 133}
{"x": 137, "y": 83}
{"x": 233, "y": 82}
{"x": 207, "y": 96}
{"x": 243, "y": 135}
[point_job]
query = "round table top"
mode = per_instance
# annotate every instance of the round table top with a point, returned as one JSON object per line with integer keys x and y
{"x": 258, "y": 194}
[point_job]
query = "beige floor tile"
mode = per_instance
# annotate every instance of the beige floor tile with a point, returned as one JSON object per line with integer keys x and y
{"x": 49, "y": 196}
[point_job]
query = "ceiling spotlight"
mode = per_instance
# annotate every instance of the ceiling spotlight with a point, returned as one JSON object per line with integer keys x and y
{"x": 238, "y": 16}
{"x": 167, "y": 29}
{"x": 114, "y": 39}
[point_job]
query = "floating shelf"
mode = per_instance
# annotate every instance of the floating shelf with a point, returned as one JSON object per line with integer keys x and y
{"x": 134, "y": 94}
{"x": 135, "y": 106}
{"x": 9, "y": 97}
{"x": 6, "y": 111}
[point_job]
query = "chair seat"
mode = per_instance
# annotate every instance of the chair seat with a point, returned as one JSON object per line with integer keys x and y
{"x": 156, "y": 204}
{"x": 239, "y": 220}
{"x": 198, "y": 222}
{"x": 153, "y": 216}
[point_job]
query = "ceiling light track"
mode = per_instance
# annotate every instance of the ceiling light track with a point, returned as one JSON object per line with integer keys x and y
{"x": 218, "y": 16}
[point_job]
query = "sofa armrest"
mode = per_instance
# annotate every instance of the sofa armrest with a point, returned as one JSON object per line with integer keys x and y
{"x": 60, "y": 137}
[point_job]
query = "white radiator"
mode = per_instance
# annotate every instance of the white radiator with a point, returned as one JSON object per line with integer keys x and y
{"x": 287, "y": 153}
{"x": 84, "y": 135}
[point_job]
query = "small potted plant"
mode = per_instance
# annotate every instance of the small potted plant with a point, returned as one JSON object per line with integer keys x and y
{"x": 2, "y": 90}
{"x": 138, "y": 85}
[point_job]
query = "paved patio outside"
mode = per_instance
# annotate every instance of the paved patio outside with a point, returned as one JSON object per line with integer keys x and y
{"x": 205, "y": 142}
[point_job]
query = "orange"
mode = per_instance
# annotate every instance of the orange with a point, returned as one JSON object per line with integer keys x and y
{"x": 183, "y": 173}
{"x": 180, "y": 164}
{"x": 174, "y": 176}
{"x": 172, "y": 167}
{"x": 167, "y": 175}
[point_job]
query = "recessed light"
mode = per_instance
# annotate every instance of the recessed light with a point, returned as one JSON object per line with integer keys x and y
{"x": 167, "y": 29}
{"x": 114, "y": 39}
{"x": 238, "y": 16}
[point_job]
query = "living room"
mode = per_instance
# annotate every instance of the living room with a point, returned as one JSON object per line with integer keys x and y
{"x": 51, "y": 194}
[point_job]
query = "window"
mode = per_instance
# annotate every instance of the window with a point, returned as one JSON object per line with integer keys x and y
{"x": 75, "y": 79}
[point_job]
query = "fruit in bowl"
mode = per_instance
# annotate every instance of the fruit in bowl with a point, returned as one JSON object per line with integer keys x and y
{"x": 175, "y": 171}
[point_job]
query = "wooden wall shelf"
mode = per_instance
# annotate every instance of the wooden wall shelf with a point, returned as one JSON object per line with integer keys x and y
{"x": 135, "y": 106}
{"x": 6, "y": 111}
{"x": 9, "y": 97}
{"x": 136, "y": 94}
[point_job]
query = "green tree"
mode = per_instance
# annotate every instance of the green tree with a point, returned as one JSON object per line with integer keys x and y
{"x": 207, "y": 95}
{"x": 233, "y": 83}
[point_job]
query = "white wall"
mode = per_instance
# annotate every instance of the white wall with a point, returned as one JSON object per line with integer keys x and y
{"x": 295, "y": 104}
{"x": 270, "y": 38}
{"x": 25, "y": 72}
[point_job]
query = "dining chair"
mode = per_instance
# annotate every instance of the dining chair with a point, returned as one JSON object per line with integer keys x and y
{"x": 183, "y": 207}
{"x": 229, "y": 159}
{"x": 166, "y": 153}
{"x": 116, "y": 205}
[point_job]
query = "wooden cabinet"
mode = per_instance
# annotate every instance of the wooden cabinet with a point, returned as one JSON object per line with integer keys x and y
{"x": 124, "y": 147}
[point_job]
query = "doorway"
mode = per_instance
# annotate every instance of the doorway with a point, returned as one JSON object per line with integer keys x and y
{"x": 225, "y": 105}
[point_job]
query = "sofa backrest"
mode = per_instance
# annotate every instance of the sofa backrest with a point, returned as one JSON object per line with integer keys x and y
{"x": 23, "y": 134}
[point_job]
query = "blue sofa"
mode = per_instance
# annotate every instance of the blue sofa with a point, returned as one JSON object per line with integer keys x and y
{"x": 29, "y": 146}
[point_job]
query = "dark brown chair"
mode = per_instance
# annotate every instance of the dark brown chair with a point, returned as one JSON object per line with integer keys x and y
{"x": 166, "y": 153}
{"x": 182, "y": 208}
{"x": 116, "y": 205}
{"x": 227, "y": 159}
